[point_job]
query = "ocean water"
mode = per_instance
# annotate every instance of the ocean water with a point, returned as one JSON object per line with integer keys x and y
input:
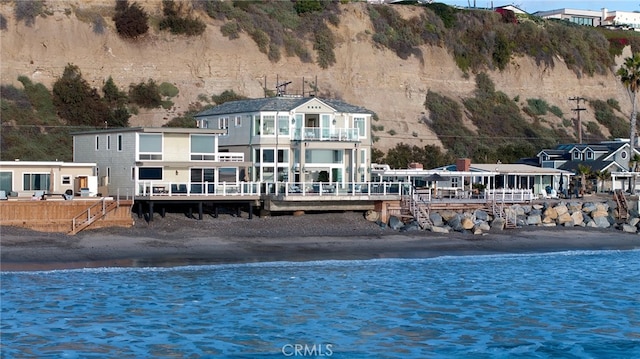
{"x": 579, "y": 304}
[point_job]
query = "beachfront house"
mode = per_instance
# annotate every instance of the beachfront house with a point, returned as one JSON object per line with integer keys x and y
{"x": 140, "y": 160}
{"x": 26, "y": 178}
{"x": 613, "y": 157}
{"x": 295, "y": 138}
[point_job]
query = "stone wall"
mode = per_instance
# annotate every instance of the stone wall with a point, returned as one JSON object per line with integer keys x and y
{"x": 565, "y": 214}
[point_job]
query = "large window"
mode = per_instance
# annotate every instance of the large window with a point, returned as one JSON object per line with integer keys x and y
{"x": 228, "y": 174}
{"x": 119, "y": 142}
{"x": 6, "y": 181}
{"x": 36, "y": 181}
{"x": 324, "y": 156}
{"x": 223, "y": 123}
{"x": 359, "y": 123}
{"x": 268, "y": 125}
{"x": 150, "y": 173}
{"x": 283, "y": 156}
{"x": 267, "y": 156}
{"x": 150, "y": 146}
{"x": 203, "y": 175}
{"x": 283, "y": 125}
{"x": 203, "y": 148}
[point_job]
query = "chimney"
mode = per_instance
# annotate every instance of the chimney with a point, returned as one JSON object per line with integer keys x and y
{"x": 603, "y": 18}
{"x": 463, "y": 164}
{"x": 415, "y": 166}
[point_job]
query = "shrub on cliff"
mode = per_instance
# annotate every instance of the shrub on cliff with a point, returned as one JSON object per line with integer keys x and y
{"x": 173, "y": 22}
{"x": 28, "y": 10}
{"x": 146, "y": 95}
{"x": 130, "y": 20}
{"x": 76, "y": 102}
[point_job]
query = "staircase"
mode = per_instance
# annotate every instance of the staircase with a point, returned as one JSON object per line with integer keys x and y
{"x": 621, "y": 201}
{"x": 93, "y": 213}
{"x": 510, "y": 222}
{"x": 419, "y": 208}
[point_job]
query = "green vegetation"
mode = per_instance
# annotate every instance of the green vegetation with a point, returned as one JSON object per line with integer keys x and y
{"x": 131, "y": 20}
{"x": 27, "y": 11}
{"x": 173, "y": 22}
{"x": 3, "y": 22}
{"x": 278, "y": 25}
{"x": 400, "y": 156}
{"x": 536, "y": 107}
{"x": 481, "y": 40}
{"x": 227, "y": 96}
{"x": 617, "y": 126}
{"x": 147, "y": 95}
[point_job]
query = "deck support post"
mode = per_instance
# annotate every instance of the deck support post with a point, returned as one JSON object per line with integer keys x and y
{"x": 200, "y": 211}
{"x": 250, "y": 210}
{"x": 150, "y": 211}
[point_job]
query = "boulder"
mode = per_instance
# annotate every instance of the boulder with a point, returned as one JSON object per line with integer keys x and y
{"x": 588, "y": 207}
{"x": 455, "y": 223}
{"x": 577, "y": 217}
{"x": 435, "y": 229}
{"x": 564, "y": 218}
{"x": 484, "y": 226}
{"x": 372, "y": 215}
{"x": 436, "y": 219}
{"x": 550, "y": 213}
{"x": 538, "y": 207}
{"x": 448, "y": 214}
{"x": 561, "y": 209}
{"x": 552, "y": 224}
{"x": 498, "y": 223}
{"x": 634, "y": 221}
{"x": 568, "y": 224}
{"x": 601, "y": 222}
{"x": 395, "y": 223}
{"x": 410, "y": 227}
{"x": 534, "y": 219}
{"x": 629, "y": 228}
{"x": 467, "y": 223}
{"x": 481, "y": 215}
{"x": 477, "y": 231}
{"x": 575, "y": 207}
{"x": 599, "y": 213}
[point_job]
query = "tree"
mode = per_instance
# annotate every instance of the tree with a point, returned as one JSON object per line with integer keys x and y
{"x": 629, "y": 75}
{"x": 112, "y": 95}
{"x": 76, "y": 101}
{"x": 602, "y": 177}
{"x": 130, "y": 20}
{"x": 583, "y": 171}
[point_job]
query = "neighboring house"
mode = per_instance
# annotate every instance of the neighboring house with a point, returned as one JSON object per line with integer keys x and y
{"x": 25, "y": 178}
{"x": 296, "y": 139}
{"x": 515, "y": 9}
{"x": 611, "y": 157}
{"x": 128, "y": 160}
{"x": 618, "y": 19}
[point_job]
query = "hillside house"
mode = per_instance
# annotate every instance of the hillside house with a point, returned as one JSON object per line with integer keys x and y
{"x": 604, "y": 17}
{"x": 136, "y": 161}
{"x": 296, "y": 139}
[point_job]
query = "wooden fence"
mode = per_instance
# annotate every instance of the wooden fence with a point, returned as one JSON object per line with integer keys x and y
{"x": 57, "y": 215}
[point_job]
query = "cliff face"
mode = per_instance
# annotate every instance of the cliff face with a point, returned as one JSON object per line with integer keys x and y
{"x": 364, "y": 74}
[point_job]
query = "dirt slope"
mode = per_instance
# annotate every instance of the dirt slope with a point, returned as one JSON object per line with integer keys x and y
{"x": 209, "y": 64}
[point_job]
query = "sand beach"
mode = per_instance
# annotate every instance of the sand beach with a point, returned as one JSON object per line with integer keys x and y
{"x": 177, "y": 240}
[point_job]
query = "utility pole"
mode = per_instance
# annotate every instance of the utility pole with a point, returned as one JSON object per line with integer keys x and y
{"x": 578, "y": 109}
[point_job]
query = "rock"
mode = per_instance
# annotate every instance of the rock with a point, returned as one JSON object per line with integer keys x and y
{"x": 448, "y": 214}
{"x": 371, "y": 215}
{"x": 629, "y": 228}
{"x": 498, "y": 223}
{"x": 410, "y": 227}
{"x": 395, "y": 223}
{"x": 548, "y": 220}
{"x": 436, "y": 219}
{"x": 467, "y": 223}
{"x": 598, "y": 213}
{"x": 455, "y": 223}
{"x": 484, "y": 226}
{"x": 534, "y": 219}
{"x": 575, "y": 207}
{"x": 601, "y": 222}
{"x": 564, "y": 218}
{"x": 552, "y": 224}
{"x": 588, "y": 207}
{"x": 526, "y": 209}
{"x": 561, "y": 209}
{"x": 591, "y": 224}
{"x": 568, "y": 224}
{"x": 538, "y": 207}
{"x": 550, "y": 213}
{"x": 477, "y": 231}
{"x": 578, "y": 218}
{"x": 435, "y": 229}
{"x": 634, "y": 221}
{"x": 481, "y": 215}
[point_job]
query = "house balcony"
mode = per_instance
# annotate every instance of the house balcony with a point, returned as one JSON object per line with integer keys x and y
{"x": 218, "y": 157}
{"x": 326, "y": 134}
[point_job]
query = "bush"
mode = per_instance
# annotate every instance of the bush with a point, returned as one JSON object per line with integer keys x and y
{"x": 146, "y": 95}
{"x": 617, "y": 126}
{"x": 130, "y": 20}
{"x": 27, "y": 11}
{"x": 3, "y": 22}
{"x": 227, "y": 96}
{"x": 76, "y": 101}
{"x": 15, "y": 95}
{"x": 556, "y": 111}
{"x": 179, "y": 25}
{"x": 168, "y": 90}
{"x": 537, "y": 107}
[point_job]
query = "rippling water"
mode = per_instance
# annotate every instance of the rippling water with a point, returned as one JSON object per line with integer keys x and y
{"x": 570, "y": 305}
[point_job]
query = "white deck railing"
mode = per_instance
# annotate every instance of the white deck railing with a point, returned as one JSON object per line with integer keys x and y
{"x": 326, "y": 134}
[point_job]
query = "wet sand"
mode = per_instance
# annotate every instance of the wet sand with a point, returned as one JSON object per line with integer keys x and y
{"x": 176, "y": 240}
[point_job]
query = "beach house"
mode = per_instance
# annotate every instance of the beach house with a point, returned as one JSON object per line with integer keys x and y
{"x": 26, "y": 178}
{"x": 295, "y": 138}
{"x": 140, "y": 160}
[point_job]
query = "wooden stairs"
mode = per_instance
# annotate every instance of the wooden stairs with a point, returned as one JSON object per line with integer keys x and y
{"x": 419, "y": 209}
{"x": 498, "y": 211}
{"x": 96, "y": 211}
{"x": 623, "y": 207}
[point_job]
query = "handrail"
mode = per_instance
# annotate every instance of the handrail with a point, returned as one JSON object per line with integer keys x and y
{"x": 85, "y": 218}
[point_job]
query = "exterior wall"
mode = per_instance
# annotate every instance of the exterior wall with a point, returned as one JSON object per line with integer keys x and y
{"x": 57, "y": 171}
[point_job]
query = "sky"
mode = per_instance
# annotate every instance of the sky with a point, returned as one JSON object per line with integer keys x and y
{"x": 532, "y": 6}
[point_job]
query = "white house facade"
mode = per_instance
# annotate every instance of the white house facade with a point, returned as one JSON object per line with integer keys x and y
{"x": 25, "y": 178}
{"x": 296, "y": 139}
{"x": 138, "y": 160}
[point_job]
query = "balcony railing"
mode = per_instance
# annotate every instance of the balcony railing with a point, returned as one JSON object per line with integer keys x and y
{"x": 218, "y": 157}
{"x": 326, "y": 134}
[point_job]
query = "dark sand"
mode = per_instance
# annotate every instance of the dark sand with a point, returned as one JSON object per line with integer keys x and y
{"x": 176, "y": 240}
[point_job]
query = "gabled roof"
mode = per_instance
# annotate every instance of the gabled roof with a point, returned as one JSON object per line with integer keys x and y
{"x": 596, "y": 165}
{"x": 279, "y": 103}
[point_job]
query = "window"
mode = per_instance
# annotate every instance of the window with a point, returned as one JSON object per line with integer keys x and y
{"x": 203, "y": 148}
{"x": 36, "y": 181}
{"x": 66, "y": 180}
{"x": 589, "y": 155}
{"x": 623, "y": 154}
{"x": 283, "y": 125}
{"x": 203, "y": 175}
{"x": 108, "y": 142}
{"x": 228, "y": 174}
{"x": 150, "y": 173}
{"x": 238, "y": 121}
{"x": 256, "y": 125}
{"x": 150, "y": 147}
{"x": 359, "y": 123}
{"x": 454, "y": 182}
{"x": 268, "y": 125}
{"x": 283, "y": 156}
{"x": 223, "y": 123}
{"x": 267, "y": 156}
{"x": 119, "y": 143}
{"x": 6, "y": 181}
{"x": 97, "y": 143}
{"x": 576, "y": 155}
